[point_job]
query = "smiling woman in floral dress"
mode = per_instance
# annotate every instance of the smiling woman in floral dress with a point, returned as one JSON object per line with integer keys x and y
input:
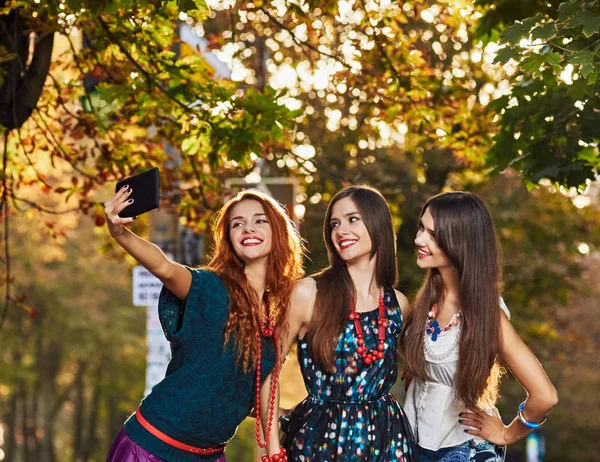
{"x": 346, "y": 321}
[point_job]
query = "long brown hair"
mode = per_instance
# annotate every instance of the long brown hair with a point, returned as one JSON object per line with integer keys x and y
{"x": 465, "y": 232}
{"x": 335, "y": 287}
{"x": 284, "y": 269}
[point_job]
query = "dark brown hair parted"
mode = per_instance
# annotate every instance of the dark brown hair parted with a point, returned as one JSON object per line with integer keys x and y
{"x": 284, "y": 269}
{"x": 335, "y": 287}
{"x": 465, "y": 232}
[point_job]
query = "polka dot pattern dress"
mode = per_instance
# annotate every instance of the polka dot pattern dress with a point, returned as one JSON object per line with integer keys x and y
{"x": 350, "y": 415}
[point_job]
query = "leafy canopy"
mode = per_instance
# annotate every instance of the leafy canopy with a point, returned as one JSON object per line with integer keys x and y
{"x": 549, "y": 121}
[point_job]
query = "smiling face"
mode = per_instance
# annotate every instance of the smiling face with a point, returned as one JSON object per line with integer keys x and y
{"x": 349, "y": 234}
{"x": 250, "y": 231}
{"x": 430, "y": 255}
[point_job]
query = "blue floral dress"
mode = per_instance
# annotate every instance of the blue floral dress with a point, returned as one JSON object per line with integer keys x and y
{"x": 350, "y": 415}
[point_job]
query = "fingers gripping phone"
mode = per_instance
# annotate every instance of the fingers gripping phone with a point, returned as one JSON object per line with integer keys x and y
{"x": 145, "y": 195}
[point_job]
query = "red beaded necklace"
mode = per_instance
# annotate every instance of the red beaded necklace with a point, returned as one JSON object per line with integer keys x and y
{"x": 382, "y": 322}
{"x": 266, "y": 331}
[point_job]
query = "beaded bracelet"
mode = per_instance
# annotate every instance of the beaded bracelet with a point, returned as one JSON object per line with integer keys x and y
{"x": 280, "y": 457}
{"x": 526, "y": 422}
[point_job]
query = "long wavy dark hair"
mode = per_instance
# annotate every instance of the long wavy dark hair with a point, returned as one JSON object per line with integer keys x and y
{"x": 335, "y": 287}
{"x": 465, "y": 232}
{"x": 284, "y": 269}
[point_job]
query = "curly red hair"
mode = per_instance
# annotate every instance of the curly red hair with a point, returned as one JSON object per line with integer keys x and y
{"x": 284, "y": 269}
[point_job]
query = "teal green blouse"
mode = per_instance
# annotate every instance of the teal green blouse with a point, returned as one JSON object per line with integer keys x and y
{"x": 206, "y": 393}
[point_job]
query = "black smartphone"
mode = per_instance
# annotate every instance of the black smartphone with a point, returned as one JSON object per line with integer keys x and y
{"x": 145, "y": 195}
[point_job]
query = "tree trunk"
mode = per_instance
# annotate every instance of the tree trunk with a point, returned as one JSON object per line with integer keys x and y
{"x": 92, "y": 437}
{"x": 260, "y": 58}
{"x": 10, "y": 418}
{"x": 23, "y": 84}
{"x": 28, "y": 453}
{"x": 114, "y": 421}
{"x": 78, "y": 413}
{"x": 36, "y": 404}
{"x": 48, "y": 367}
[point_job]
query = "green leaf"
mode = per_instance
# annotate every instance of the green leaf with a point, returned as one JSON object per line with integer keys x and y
{"x": 548, "y": 172}
{"x": 198, "y": 9}
{"x": 585, "y": 60}
{"x": 592, "y": 78}
{"x": 533, "y": 63}
{"x": 73, "y": 4}
{"x": 568, "y": 9}
{"x": 506, "y": 53}
{"x": 543, "y": 31}
{"x": 204, "y": 136}
{"x": 553, "y": 59}
{"x": 590, "y": 22}
{"x": 589, "y": 154}
{"x": 514, "y": 33}
{"x": 186, "y": 5}
{"x": 112, "y": 7}
{"x": 277, "y": 131}
{"x": 528, "y": 23}
{"x": 190, "y": 146}
{"x": 295, "y": 10}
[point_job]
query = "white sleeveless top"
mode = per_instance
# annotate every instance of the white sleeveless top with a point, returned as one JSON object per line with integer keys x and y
{"x": 431, "y": 406}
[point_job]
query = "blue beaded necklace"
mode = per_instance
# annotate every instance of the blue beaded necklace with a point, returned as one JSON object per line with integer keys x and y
{"x": 433, "y": 326}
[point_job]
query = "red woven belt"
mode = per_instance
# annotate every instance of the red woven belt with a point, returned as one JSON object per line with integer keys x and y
{"x": 173, "y": 442}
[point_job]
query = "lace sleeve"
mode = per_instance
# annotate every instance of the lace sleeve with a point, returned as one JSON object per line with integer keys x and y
{"x": 171, "y": 309}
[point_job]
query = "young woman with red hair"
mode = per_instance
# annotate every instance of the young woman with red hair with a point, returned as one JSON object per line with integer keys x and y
{"x": 222, "y": 322}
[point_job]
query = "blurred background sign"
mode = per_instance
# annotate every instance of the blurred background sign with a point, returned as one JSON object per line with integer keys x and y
{"x": 535, "y": 447}
{"x": 146, "y": 292}
{"x": 159, "y": 350}
{"x": 146, "y": 287}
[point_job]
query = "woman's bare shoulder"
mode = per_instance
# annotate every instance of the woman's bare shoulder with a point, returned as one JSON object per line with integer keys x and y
{"x": 304, "y": 290}
{"x": 403, "y": 302}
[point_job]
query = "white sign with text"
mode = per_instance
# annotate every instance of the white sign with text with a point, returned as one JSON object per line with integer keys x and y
{"x": 159, "y": 351}
{"x": 146, "y": 287}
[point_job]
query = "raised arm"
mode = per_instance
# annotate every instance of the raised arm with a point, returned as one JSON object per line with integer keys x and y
{"x": 174, "y": 276}
{"x": 302, "y": 301}
{"x": 541, "y": 394}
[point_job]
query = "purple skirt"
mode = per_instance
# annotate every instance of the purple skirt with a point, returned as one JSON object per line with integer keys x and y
{"x": 124, "y": 449}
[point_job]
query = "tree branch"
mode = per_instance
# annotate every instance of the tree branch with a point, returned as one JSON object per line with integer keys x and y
{"x": 45, "y": 210}
{"x": 80, "y": 68}
{"x": 6, "y": 229}
{"x": 382, "y": 49}
{"x": 56, "y": 144}
{"x": 302, "y": 43}
{"x": 200, "y": 187}
{"x": 149, "y": 79}
{"x": 29, "y": 161}
{"x": 305, "y": 45}
{"x": 81, "y": 120}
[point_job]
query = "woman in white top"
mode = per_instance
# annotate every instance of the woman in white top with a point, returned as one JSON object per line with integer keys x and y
{"x": 456, "y": 334}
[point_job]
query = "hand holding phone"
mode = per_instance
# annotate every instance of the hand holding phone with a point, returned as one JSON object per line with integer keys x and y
{"x": 145, "y": 193}
{"x": 113, "y": 206}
